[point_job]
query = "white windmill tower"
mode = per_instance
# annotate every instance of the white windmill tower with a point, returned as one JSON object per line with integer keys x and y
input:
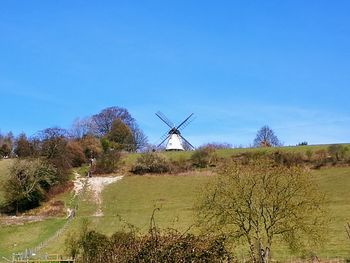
{"x": 175, "y": 141}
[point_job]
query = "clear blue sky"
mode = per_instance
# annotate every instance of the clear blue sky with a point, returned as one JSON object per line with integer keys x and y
{"x": 236, "y": 64}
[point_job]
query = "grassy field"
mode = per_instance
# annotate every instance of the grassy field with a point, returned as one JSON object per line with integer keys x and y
{"x": 17, "y": 238}
{"x": 134, "y": 198}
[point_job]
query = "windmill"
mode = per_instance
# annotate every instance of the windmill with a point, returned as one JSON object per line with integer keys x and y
{"x": 175, "y": 141}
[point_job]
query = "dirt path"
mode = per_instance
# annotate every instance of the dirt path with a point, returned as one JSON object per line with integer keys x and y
{"x": 95, "y": 185}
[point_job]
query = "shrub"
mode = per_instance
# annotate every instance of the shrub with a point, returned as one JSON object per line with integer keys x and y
{"x": 309, "y": 154}
{"x": 108, "y": 162}
{"x": 169, "y": 246}
{"x": 204, "y": 157}
{"x": 150, "y": 163}
{"x": 180, "y": 165}
{"x": 320, "y": 158}
{"x": 337, "y": 152}
{"x": 288, "y": 158}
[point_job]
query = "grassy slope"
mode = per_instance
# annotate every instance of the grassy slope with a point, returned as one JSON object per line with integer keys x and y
{"x": 16, "y": 238}
{"x": 134, "y": 198}
{"x": 335, "y": 183}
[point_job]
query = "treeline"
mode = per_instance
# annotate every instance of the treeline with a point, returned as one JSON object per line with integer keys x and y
{"x": 45, "y": 159}
{"x": 113, "y": 127}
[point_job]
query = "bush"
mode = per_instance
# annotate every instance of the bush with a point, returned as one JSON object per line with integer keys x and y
{"x": 320, "y": 158}
{"x": 337, "y": 152}
{"x": 108, "y": 162}
{"x": 180, "y": 165}
{"x": 170, "y": 246}
{"x": 150, "y": 163}
{"x": 204, "y": 157}
{"x": 29, "y": 182}
{"x": 288, "y": 158}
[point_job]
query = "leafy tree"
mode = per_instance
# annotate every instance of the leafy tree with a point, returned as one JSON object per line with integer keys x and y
{"x": 5, "y": 150}
{"x": 265, "y": 137}
{"x": 91, "y": 146}
{"x": 121, "y": 135}
{"x": 6, "y": 144}
{"x": 75, "y": 153}
{"x": 53, "y": 146}
{"x": 102, "y": 122}
{"x": 22, "y": 146}
{"x": 258, "y": 202}
{"x": 28, "y": 183}
{"x": 101, "y": 125}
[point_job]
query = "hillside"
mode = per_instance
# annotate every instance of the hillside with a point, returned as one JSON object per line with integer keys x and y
{"x": 132, "y": 200}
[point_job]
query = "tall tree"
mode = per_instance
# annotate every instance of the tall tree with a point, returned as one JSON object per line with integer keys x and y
{"x": 265, "y": 137}
{"x": 102, "y": 122}
{"x": 22, "y": 146}
{"x": 140, "y": 140}
{"x": 6, "y": 144}
{"x": 101, "y": 125}
{"x": 53, "y": 142}
{"x": 121, "y": 134}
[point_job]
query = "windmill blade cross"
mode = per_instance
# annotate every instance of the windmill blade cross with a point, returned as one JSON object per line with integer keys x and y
{"x": 164, "y": 136}
{"x": 163, "y": 140}
{"x": 186, "y": 141}
{"x": 165, "y": 119}
{"x": 182, "y": 123}
{"x": 187, "y": 123}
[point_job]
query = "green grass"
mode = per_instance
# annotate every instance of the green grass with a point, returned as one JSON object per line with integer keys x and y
{"x": 134, "y": 198}
{"x": 16, "y": 238}
{"x": 335, "y": 182}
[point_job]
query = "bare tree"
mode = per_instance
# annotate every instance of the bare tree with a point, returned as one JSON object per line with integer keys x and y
{"x": 140, "y": 139}
{"x": 258, "y": 202}
{"x": 265, "y": 137}
{"x": 81, "y": 127}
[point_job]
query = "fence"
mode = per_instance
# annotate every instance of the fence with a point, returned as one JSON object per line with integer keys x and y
{"x": 31, "y": 254}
